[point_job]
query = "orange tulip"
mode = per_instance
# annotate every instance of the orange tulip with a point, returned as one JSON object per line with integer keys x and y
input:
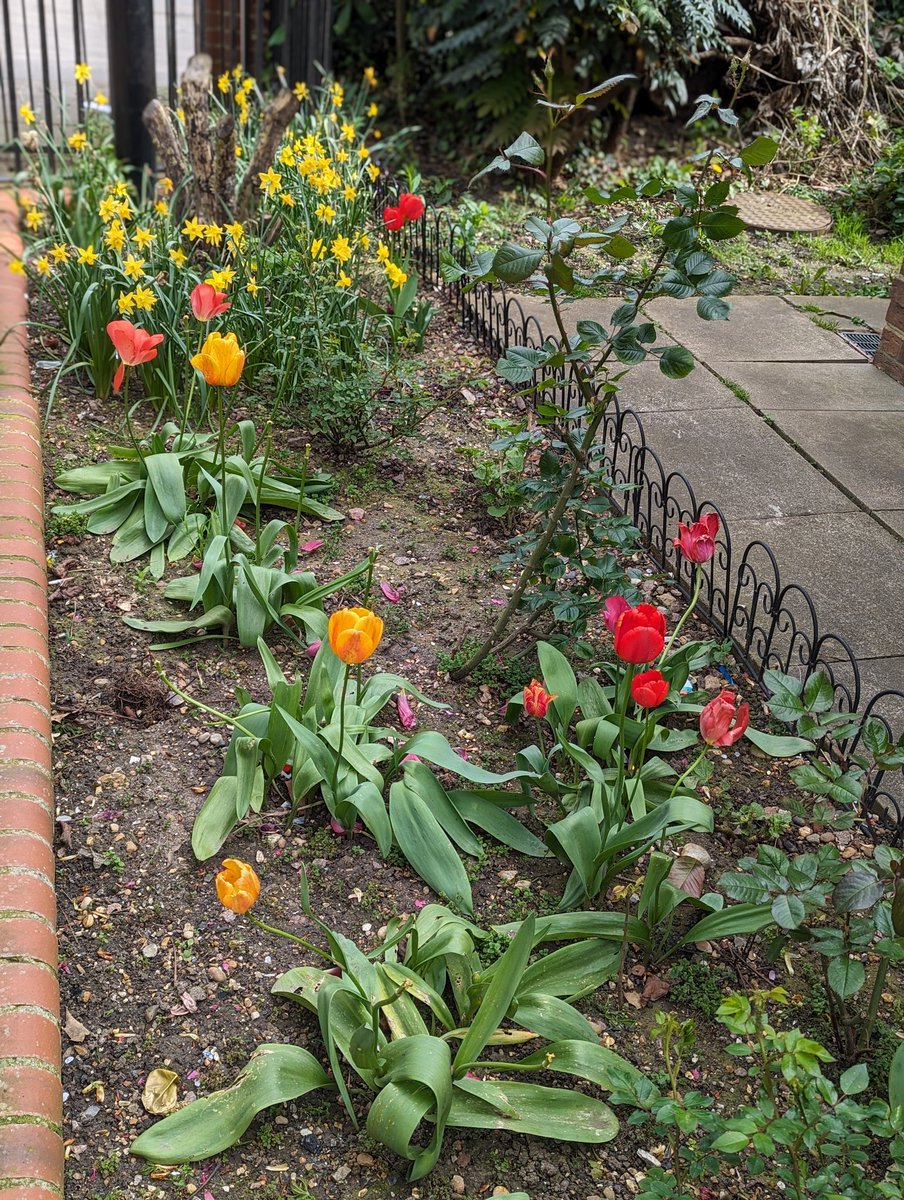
{"x": 238, "y": 886}
{"x": 354, "y": 634}
{"x": 220, "y": 360}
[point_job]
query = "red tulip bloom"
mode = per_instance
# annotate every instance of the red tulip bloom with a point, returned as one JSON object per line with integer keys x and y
{"x": 640, "y": 634}
{"x": 613, "y": 609}
{"x": 411, "y": 207}
{"x": 207, "y": 302}
{"x": 697, "y": 542}
{"x": 649, "y": 689}
{"x": 133, "y": 345}
{"x": 716, "y": 726}
{"x": 536, "y": 699}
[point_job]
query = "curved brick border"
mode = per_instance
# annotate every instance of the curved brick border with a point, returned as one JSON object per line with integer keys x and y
{"x": 31, "y": 1098}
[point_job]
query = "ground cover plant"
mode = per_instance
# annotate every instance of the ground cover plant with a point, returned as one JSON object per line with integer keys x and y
{"x": 450, "y": 908}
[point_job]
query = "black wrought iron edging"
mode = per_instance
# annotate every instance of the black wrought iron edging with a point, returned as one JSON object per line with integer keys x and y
{"x": 771, "y": 624}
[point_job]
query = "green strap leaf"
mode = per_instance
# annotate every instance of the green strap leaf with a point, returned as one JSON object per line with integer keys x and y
{"x": 539, "y": 1111}
{"x": 427, "y": 847}
{"x": 498, "y": 997}
{"x": 275, "y": 1074}
{"x": 418, "y": 1085}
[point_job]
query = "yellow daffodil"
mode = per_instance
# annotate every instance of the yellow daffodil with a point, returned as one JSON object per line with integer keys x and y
{"x": 247, "y": 85}
{"x": 236, "y": 230}
{"x": 370, "y": 77}
{"x": 100, "y": 99}
{"x": 115, "y": 237}
{"x": 376, "y": 134}
{"x": 333, "y": 118}
{"x": 251, "y": 287}
{"x": 318, "y": 249}
{"x": 108, "y": 209}
{"x": 180, "y": 114}
{"x": 82, "y": 72}
{"x": 193, "y": 229}
{"x": 17, "y": 266}
{"x": 270, "y": 181}
{"x": 27, "y": 115}
{"x": 221, "y": 279}
{"x": 237, "y": 71}
{"x": 166, "y": 185}
{"x": 287, "y": 199}
{"x": 143, "y": 238}
{"x": 120, "y": 188}
{"x": 372, "y": 111}
{"x": 340, "y": 249}
{"x": 337, "y": 95}
{"x": 144, "y": 298}
{"x": 161, "y": 208}
{"x": 363, "y": 240}
{"x": 213, "y": 235}
{"x": 33, "y": 219}
{"x": 373, "y": 171}
{"x": 224, "y": 84}
{"x": 349, "y": 192}
{"x": 301, "y": 91}
{"x": 43, "y": 265}
{"x": 382, "y": 252}
{"x": 344, "y": 280}
{"x": 78, "y": 140}
{"x": 238, "y": 150}
{"x": 124, "y": 210}
{"x": 58, "y": 252}
{"x": 395, "y": 274}
{"x": 324, "y": 213}
{"x": 87, "y": 257}
{"x": 348, "y": 132}
{"x": 287, "y": 156}
{"x": 125, "y": 303}
{"x": 178, "y": 255}
{"x": 341, "y": 156}
{"x": 363, "y": 153}
{"x": 133, "y": 267}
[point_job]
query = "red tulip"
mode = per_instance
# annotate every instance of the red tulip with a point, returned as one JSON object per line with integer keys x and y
{"x": 697, "y": 542}
{"x": 613, "y": 609}
{"x": 411, "y": 207}
{"x": 207, "y": 302}
{"x": 406, "y": 713}
{"x": 393, "y": 219}
{"x": 133, "y": 345}
{"x": 536, "y": 699}
{"x": 649, "y": 689}
{"x": 640, "y": 634}
{"x": 716, "y": 726}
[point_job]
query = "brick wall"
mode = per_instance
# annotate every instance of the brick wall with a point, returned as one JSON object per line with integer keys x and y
{"x": 890, "y": 355}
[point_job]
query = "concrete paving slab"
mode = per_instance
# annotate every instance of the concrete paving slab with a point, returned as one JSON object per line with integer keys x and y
{"x": 760, "y": 328}
{"x": 777, "y": 387}
{"x": 851, "y": 567}
{"x": 864, "y": 454}
{"x": 894, "y": 518}
{"x": 879, "y": 675}
{"x": 869, "y": 309}
{"x": 733, "y": 458}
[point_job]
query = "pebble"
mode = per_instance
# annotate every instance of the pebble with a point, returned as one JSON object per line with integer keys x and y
{"x": 458, "y": 1185}
{"x": 342, "y": 1173}
{"x": 217, "y": 739}
{"x": 217, "y": 974}
{"x": 608, "y": 1192}
{"x": 150, "y": 950}
{"x": 364, "y": 1160}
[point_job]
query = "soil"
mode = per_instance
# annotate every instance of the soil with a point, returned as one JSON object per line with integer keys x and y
{"x": 155, "y": 973}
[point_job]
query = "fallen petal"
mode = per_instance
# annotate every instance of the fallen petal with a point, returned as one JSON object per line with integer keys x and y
{"x": 310, "y": 547}
{"x": 391, "y": 593}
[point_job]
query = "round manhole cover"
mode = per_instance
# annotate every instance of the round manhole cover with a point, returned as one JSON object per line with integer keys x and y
{"x": 780, "y": 213}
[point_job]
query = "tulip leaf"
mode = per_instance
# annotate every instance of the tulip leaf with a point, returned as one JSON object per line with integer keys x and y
{"x": 559, "y": 680}
{"x": 367, "y": 800}
{"x": 418, "y": 1086}
{"x": 421, "y": 780}
{"x": 568, "y": 925}
{"x": 573, "y": 970}
{"x": 216, "y": 818}
{"x": 275, "y": 1074}
{"x": 539, "y": 1111}
{"x": 498, "y": 823}
{"x": 498, "y": 997}
{"x": 896, "y": 1079}
{"x": 166, "y": 480}
{"x": 736, "y": 919}
{"x": 425, "y": 844}
{"x": 435, "y": 748}
{"x": 549, "y": 1017}
{"x": 777, "y": 746}
{"x": 587, "y": 1060}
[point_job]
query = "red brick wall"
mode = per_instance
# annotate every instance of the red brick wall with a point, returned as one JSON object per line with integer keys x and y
{"x": 890, "y": 355}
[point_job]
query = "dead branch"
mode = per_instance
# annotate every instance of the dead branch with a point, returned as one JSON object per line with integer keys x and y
{"x": 274, "y": 124}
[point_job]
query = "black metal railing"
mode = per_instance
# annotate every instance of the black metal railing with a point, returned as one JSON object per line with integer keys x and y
{"x": 772, "y": 623}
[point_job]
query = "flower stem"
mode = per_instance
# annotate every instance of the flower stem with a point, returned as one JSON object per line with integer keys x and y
{"x": 335, "y": 779}
{"x": 698, "y": 584}
{"x": 290, "y": 936}
{"x": 681, "y": 778}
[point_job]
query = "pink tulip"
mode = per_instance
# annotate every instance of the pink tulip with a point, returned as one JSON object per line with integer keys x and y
{"x": 406, "y": 712}
{"x": 697, "y": 542}
{"x": 391, "y": 593}
{"x": 311, "y": 651}
{"x": 411, "y": 758}
{"x": 716, "y": 719}
{"x": 341, "y": 831}
{"x": 133, "y": 345}
{"x": 207, "y": 302}
{"x": 613, "y": 609}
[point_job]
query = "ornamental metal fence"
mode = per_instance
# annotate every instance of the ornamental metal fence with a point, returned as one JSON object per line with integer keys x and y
{"x": 771, "y": 622}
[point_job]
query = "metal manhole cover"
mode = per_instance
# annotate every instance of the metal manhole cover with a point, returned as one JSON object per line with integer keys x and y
{"x": 866, "y": 343}
{"x": 778, "y": 212}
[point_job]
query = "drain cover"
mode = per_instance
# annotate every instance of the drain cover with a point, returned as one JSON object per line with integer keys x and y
{"x": 866, "y": 343}
{"x": 780, "y": 213}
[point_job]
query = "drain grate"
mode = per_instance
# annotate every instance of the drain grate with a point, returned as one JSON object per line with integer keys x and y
{"x": 866, "y": 343}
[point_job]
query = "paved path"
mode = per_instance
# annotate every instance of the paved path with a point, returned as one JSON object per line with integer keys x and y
{"x": 799, "y": 440}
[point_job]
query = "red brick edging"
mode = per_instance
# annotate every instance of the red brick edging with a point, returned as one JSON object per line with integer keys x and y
{"x": 31, "y": 1098}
